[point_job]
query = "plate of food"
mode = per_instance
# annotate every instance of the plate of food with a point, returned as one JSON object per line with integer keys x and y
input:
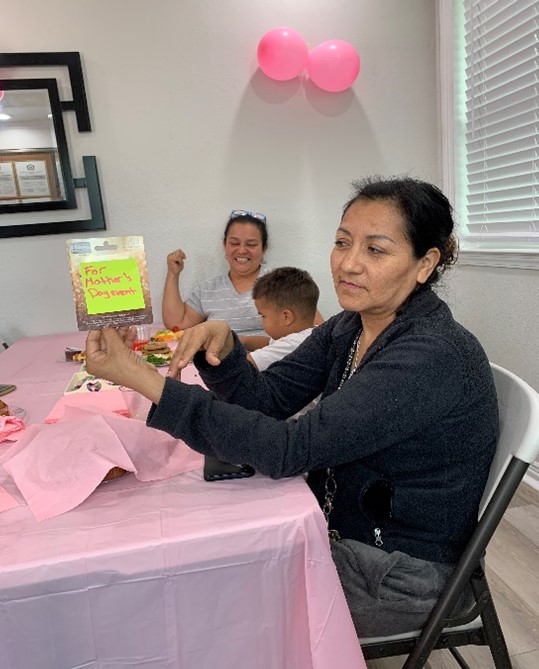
{"x": 157, "y": 353}
{"x": 81, "y": 382}
{"x": 168, "y": 335}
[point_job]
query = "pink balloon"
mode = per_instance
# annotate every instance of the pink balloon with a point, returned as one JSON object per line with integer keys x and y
{"x": 282, "y": 54}
{"x": 1, "y": 95}
{"x": 333, "y": 65}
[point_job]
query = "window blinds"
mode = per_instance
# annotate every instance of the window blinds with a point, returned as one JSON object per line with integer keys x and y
{"x": 501, "y": 40}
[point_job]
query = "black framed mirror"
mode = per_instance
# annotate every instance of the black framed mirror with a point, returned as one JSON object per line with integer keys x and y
{"x": 35, "y": 170}
{"x": 35, "y": 167}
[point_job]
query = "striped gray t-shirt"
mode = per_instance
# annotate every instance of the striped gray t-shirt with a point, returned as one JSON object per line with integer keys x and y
{"x": 217, "y": 299}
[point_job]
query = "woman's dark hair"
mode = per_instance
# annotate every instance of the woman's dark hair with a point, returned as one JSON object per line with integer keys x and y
{"x": 426, "y": 211}
{"x": 254, "y": 219}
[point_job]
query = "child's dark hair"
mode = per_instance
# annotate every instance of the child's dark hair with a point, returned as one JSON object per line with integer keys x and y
{"x": 288, "y": 288}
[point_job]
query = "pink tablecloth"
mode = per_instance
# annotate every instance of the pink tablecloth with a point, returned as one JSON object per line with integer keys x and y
{"x": 172, "y": 574}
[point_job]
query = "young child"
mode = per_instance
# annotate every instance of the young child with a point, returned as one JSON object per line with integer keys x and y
{"x": 286, "y": 300}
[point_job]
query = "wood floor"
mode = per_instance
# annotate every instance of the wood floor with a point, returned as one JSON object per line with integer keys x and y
{"x": 513, "y": 573}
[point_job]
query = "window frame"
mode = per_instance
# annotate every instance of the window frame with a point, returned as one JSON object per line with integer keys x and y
{"x": 487, "y": 257}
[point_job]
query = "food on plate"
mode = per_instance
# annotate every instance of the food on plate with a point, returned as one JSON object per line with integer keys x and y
{"x": 157, "y": 360}
{"x": 81, "y": 382}
{"x": 161, "y": 336}
{"x": 4, "y": 409}
{"x": 156, "y": 353}
{"x": 168, "y": 335}
{"x": 155, "y": 347}
{"x": 75, "y": 354}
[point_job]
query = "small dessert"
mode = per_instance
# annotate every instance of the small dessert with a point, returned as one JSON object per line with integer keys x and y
{"x": 75, "y": 354}
{"x": 4, "y": 409}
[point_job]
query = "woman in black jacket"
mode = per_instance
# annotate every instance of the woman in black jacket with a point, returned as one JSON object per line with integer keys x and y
{"x": 399, "y": 447}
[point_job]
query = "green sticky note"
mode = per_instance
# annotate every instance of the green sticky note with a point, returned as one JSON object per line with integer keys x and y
{"x": 111, "y": 285}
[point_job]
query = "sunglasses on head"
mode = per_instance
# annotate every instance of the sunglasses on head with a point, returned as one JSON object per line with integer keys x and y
{"x": 241, "y": 213}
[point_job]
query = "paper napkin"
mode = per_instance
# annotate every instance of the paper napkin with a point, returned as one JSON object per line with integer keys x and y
{"x": 57, "y": 466}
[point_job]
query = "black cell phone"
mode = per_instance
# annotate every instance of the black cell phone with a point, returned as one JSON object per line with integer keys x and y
{"x": 6, "y": 388}
{"x": 217, "y": 470}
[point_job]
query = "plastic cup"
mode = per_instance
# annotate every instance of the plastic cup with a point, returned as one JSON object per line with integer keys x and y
{"x": 136, "y": 404}
{"x": 144, "y": 332}
{"x": 143, "y": 335}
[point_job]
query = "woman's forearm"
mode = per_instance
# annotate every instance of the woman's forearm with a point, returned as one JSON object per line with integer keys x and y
{"x": 109, "y": 356}
{"x": 173, "y": 308}
{"x": 147, "y": 382}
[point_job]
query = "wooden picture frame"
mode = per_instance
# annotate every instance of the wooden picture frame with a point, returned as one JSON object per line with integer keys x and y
{"x": 29, "y": 176}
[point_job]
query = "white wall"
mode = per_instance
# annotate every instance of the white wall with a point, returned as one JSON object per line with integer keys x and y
{"x": 185, "y": 128}
{"x": 501, "y": 307}
{"x": 27, "y": 136}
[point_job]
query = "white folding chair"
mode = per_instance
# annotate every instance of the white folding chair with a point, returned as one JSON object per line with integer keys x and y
{"x": 518, "y": 447}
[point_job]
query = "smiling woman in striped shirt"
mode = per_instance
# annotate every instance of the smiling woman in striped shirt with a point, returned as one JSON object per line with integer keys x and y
{"x": 225, "y": 297}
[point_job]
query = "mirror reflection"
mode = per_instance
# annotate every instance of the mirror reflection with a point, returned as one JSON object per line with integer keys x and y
{"x": 35, "y": 169}
{"x": 35, "y": 173}
{"x": 30, "y": 169}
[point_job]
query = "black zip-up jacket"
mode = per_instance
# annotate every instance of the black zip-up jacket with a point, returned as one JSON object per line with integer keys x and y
{"x": 420, "y": 415}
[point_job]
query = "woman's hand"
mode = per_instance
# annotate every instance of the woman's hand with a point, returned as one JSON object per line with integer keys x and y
{"x": 109, "y": 355}
{"x": 214, "y": 337}
{"x": 176, "y": 261}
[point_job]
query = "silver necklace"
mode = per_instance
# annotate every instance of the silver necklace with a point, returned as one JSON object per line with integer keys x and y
{"x": 331, "y": 484}
{"x": 352, "y": 362}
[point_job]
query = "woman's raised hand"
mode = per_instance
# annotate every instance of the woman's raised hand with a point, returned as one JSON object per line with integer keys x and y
{"x": 176, "y": 261}
{"x": 214, "y": 337}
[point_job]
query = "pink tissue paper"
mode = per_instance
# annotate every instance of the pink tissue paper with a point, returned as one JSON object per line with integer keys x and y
{"x": 10, "y": 427}
{"x": 110, "y": 401}
{"x": 7, "y": 501}
{"x": 57, "y": 466}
